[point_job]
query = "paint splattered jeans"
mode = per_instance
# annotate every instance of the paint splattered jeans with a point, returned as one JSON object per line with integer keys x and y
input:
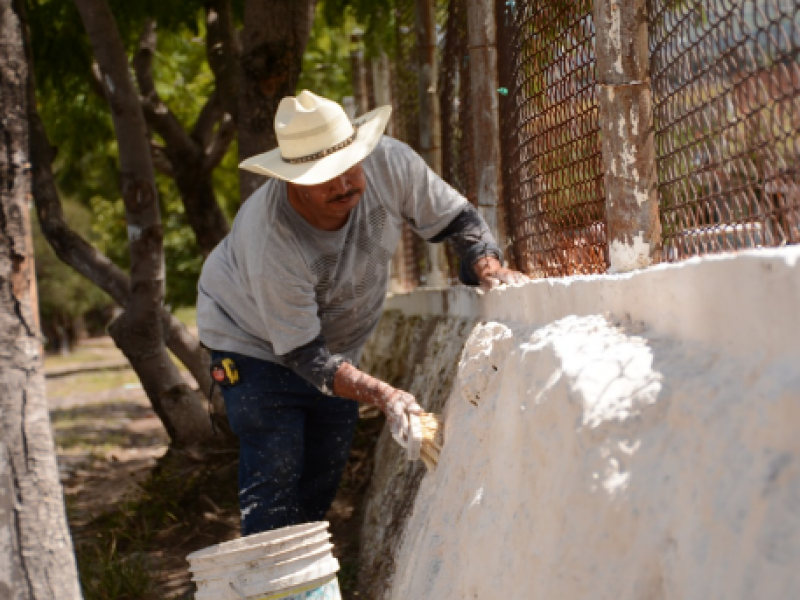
{"x": 293, "y": 440}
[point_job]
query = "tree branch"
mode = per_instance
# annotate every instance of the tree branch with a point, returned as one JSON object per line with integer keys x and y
{"x": 96, "y": 82}
{"x": 158, "y": 115}
{"x": 70, "y": 247}
{"x": 223, "y": 51}
{"x": 225, "y": 134}
{"x": 209, "y": 116}
{"x": 161, "y": 161}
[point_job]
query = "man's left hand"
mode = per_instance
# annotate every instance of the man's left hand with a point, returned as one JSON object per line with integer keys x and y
{"x": 492, "y": 274}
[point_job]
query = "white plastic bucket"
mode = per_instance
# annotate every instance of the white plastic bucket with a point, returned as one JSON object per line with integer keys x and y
{"x": 293, "y": 563}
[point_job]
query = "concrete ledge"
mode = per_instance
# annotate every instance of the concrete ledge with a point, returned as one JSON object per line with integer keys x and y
{"x": 725, "y": 299}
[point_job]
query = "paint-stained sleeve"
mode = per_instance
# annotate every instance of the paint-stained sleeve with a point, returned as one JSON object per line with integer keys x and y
{"x": 315, "y": 363}
{"x": 472, "y": 239}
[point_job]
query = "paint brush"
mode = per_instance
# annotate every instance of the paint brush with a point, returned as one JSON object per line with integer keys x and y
{"x": 432, "y": 439}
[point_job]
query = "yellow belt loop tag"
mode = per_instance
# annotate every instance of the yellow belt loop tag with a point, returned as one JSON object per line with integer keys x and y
{"x": 230, "y": 370}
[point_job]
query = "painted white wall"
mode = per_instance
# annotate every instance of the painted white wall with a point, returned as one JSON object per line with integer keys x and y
{"x": 623, "y": 437}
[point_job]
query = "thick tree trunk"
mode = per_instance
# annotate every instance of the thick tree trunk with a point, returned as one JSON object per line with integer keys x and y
{"x": 273, "y": 42}
{"x": 36, "y": 557}
{"x": 138, "y": 331}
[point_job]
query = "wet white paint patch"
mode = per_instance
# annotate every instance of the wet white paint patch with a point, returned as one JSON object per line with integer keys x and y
{"x": 628, "y": 257}
{"x": 642, "y": 467}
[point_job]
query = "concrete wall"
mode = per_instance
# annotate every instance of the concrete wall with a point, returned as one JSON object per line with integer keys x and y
{"x": 628, "y": 437}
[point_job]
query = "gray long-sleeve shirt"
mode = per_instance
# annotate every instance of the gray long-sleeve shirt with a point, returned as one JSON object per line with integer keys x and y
{"x": 276, "y": 283}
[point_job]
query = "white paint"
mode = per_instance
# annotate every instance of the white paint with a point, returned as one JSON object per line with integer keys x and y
{"x": 628, "y": 257}
{"x": 134, "y": 233}
{"x": 640, "y": 195}
{"x": 629, "y": 151}
{"x": 657, "y": 455}
{"x": 614, "y": 34}
{"x": 634, "y": 120}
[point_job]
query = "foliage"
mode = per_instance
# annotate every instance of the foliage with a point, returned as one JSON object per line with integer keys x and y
{"x": 377, "y": 17}
{"x": 326, "y": 62}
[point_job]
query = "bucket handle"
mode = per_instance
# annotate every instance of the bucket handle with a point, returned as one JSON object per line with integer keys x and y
{"x": 237, "y": 590}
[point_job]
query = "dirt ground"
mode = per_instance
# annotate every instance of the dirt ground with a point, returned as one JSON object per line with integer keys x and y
{"x": 136, "y": 509}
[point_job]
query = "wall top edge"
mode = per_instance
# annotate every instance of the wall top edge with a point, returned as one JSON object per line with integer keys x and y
{"x": 750, "y": 298}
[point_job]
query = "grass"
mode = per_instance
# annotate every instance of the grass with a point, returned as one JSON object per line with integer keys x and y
{"x": 82, "y": 356}
{"x": 105, "y": 575}
{"x": 91, "y": 382}
{"x": 187, "y": 315}
{"x": 121, "y": 553}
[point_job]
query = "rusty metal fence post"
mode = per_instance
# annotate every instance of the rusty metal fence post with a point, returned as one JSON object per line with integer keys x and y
{"x": 482, "y": 41}
{"x": 626, "y": 117}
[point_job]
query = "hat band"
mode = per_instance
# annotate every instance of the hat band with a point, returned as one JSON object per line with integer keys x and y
{"x": 322, "y": 153}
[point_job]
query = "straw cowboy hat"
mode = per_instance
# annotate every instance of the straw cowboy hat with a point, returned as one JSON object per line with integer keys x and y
{"x": 316, "y": 140}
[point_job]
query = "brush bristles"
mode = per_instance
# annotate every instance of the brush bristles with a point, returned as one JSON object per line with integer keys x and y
{"x": 432, "y": 439}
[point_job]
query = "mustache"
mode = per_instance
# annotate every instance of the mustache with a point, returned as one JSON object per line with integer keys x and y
{"x": 346, "y": 195}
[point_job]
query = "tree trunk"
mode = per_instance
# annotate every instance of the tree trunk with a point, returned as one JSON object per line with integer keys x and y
{"x": 273, "y": 42}
{"x": 138, "y": 331}
{"x": 36, "y": 556}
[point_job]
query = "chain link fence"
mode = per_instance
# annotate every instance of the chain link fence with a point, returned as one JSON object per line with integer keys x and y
{"x": 726, "y": 103}
{"x": 725, "y": 80}
{"x": 552, "y": 164}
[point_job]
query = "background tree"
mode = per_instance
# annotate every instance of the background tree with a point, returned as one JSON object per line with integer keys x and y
{"x": 35, "y": 547}
{"x": 245, "y": 89}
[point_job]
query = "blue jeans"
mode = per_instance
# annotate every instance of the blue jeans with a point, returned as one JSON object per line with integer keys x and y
{"x": 294, "y": 442}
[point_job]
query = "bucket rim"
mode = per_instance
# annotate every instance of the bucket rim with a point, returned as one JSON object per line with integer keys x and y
{"x": 289, "y": 547}
{"x": 257, "y": 540}
{"x": 225, "y": 571}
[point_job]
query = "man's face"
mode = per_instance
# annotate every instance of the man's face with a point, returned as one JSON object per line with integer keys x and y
{"x": 336, "y": 197}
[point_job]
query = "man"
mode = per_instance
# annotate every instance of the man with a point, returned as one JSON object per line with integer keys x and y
{"x": 289, "y": 297}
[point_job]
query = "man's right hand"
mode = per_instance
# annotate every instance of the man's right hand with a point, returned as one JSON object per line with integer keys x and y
{"x": 401, "y": 408}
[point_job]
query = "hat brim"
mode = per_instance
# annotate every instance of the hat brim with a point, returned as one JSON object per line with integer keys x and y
{"x": 370, "y": 130}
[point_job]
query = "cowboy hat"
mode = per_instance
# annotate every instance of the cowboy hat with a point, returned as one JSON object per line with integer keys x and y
{"x": 316, "y": 140}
